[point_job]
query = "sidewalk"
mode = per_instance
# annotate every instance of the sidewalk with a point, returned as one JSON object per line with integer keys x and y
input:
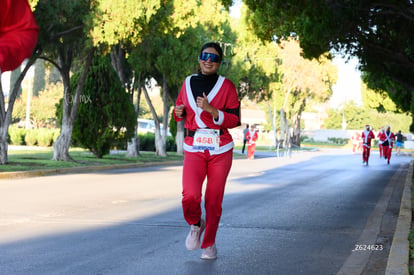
{"x": 398, "y": 259}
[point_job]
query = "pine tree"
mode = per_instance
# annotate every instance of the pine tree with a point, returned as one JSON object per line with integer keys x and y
{"x": 106, "y": 115}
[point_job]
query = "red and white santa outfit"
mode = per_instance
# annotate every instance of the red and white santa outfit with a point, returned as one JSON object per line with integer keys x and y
{"x": 367, "y": 135}
{"x": 251, "y": 137}
{"x": 381, "y": 151}
{"x": 387, "y": 138}
{"x": 18, "y": 33}
{"x": 213, "y": 164}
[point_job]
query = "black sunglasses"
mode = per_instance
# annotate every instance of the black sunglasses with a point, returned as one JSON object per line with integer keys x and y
{"x": 213, "y": 57}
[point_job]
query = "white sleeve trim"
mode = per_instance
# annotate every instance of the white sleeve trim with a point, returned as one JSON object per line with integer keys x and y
{"x": 220, "y": 118}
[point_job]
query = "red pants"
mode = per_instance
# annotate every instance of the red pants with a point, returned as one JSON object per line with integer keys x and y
{"x": 380, "y": 150}
{"x": 250, "y": 150}
{"x": 387, "y": 152}
{"x": 365, "y": 153}
{"x": 196, "y": 167}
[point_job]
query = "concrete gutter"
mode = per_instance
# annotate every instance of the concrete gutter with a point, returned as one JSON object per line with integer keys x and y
{"x": 398, "y": 259}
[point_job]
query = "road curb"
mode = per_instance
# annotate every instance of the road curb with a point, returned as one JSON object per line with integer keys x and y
{"x": 83, "y": 169}
{"x": 398, "y": 259}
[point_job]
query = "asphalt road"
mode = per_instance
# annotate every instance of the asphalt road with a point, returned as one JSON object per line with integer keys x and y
{"x": 314, "y": 213}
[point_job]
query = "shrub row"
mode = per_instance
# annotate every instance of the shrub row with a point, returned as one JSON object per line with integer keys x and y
{"x": 46, "y": 137}
{"x": 41, "y": 137}
{"x": 147, "y": 143}
{"x": 335, "y": 140}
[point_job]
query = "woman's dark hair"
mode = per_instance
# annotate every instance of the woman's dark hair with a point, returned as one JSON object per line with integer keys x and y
{"x": 214, "y": 45}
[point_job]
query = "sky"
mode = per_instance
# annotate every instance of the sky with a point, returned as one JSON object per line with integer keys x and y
{"x": 5, "y": 81}
{"x": 235, "y": 9}
{"x": 348, "y": 85}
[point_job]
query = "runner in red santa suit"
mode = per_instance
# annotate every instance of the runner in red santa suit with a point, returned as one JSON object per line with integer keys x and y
{"x": 367, "y": 135}
{"x": 18, "y": 33}
{"x": 387, "y": 138}
{"x": 251, "y": 137}
{"x": 380, "y": 142}
{"x": 209, "y": 105}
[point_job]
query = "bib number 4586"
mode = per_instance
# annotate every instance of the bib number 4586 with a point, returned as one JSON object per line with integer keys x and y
{"x": 206, "y": 139}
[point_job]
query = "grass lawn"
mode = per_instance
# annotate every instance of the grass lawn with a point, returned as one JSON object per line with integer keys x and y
{"x": 41, "y": 158}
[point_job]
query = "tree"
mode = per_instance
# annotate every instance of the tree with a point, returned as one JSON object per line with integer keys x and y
{"x": 106, "y": 114}
{"x": 378, "y": 100}
{"x": 6, "y": 114}
{"x": 120, "y": 25}
{"x": 334, "y": 119}
{"x": 284, "y": 81}
{"x": 64, "y": 39}
{"x": 357, "y": 117}
{"x": 39, "y": 81}
{"x": 377, "y": 32}
{"x": 255, "y": 70}
{"x": 129, "y": 82}
{"x": 187, "y": 32}
{"x": 303, "y": 80}
{"x": 170, "y": 49}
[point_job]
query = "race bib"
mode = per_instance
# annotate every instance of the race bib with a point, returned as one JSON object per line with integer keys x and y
{"x": 206, "y": 139}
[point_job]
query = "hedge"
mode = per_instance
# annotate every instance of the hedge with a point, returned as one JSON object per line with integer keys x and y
{"x": 41, "y": 137}
{"x": 46, "y": 137}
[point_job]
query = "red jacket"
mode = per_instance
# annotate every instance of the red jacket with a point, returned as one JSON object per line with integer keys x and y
{"x": 18, "y": 33}
{"x": 251, "y": 137}
{"x": 379, "y": 136}
{"x": 367, "y": 136}
{"x": 223, "y": 96}
{"x": 390, "y": 137}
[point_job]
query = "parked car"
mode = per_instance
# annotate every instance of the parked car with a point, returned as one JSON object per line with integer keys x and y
{"x": 148, "y": 125}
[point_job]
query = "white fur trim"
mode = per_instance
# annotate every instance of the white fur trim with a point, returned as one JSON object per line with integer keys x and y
{"x": 193, "y": 103}
{"x": 221, "y": 150}
{"x": 220, "y": 118}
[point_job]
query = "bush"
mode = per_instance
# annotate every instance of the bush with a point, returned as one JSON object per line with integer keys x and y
{"x": 106, "y": 115}
{"x": 147, "y": 142}
{"x": 304, "y": 138}
{"x": 41, "y": 137}
{"x": 340, "y": 141}
{"x": 56, "y": 134}
{"x": 31, "y": 137}
{"x": 45, "y": 137}
{"x": 17, "y": 135}
{"x": 171, "y": 145}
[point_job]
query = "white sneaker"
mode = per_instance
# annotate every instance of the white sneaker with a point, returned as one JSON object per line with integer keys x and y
{"x": 209, "y": 253}
{"x": 192, "y": 242}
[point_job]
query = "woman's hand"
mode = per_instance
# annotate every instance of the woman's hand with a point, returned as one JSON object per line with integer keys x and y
{"x": 179, "y": 110}
{"x": 202, "y": 102}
